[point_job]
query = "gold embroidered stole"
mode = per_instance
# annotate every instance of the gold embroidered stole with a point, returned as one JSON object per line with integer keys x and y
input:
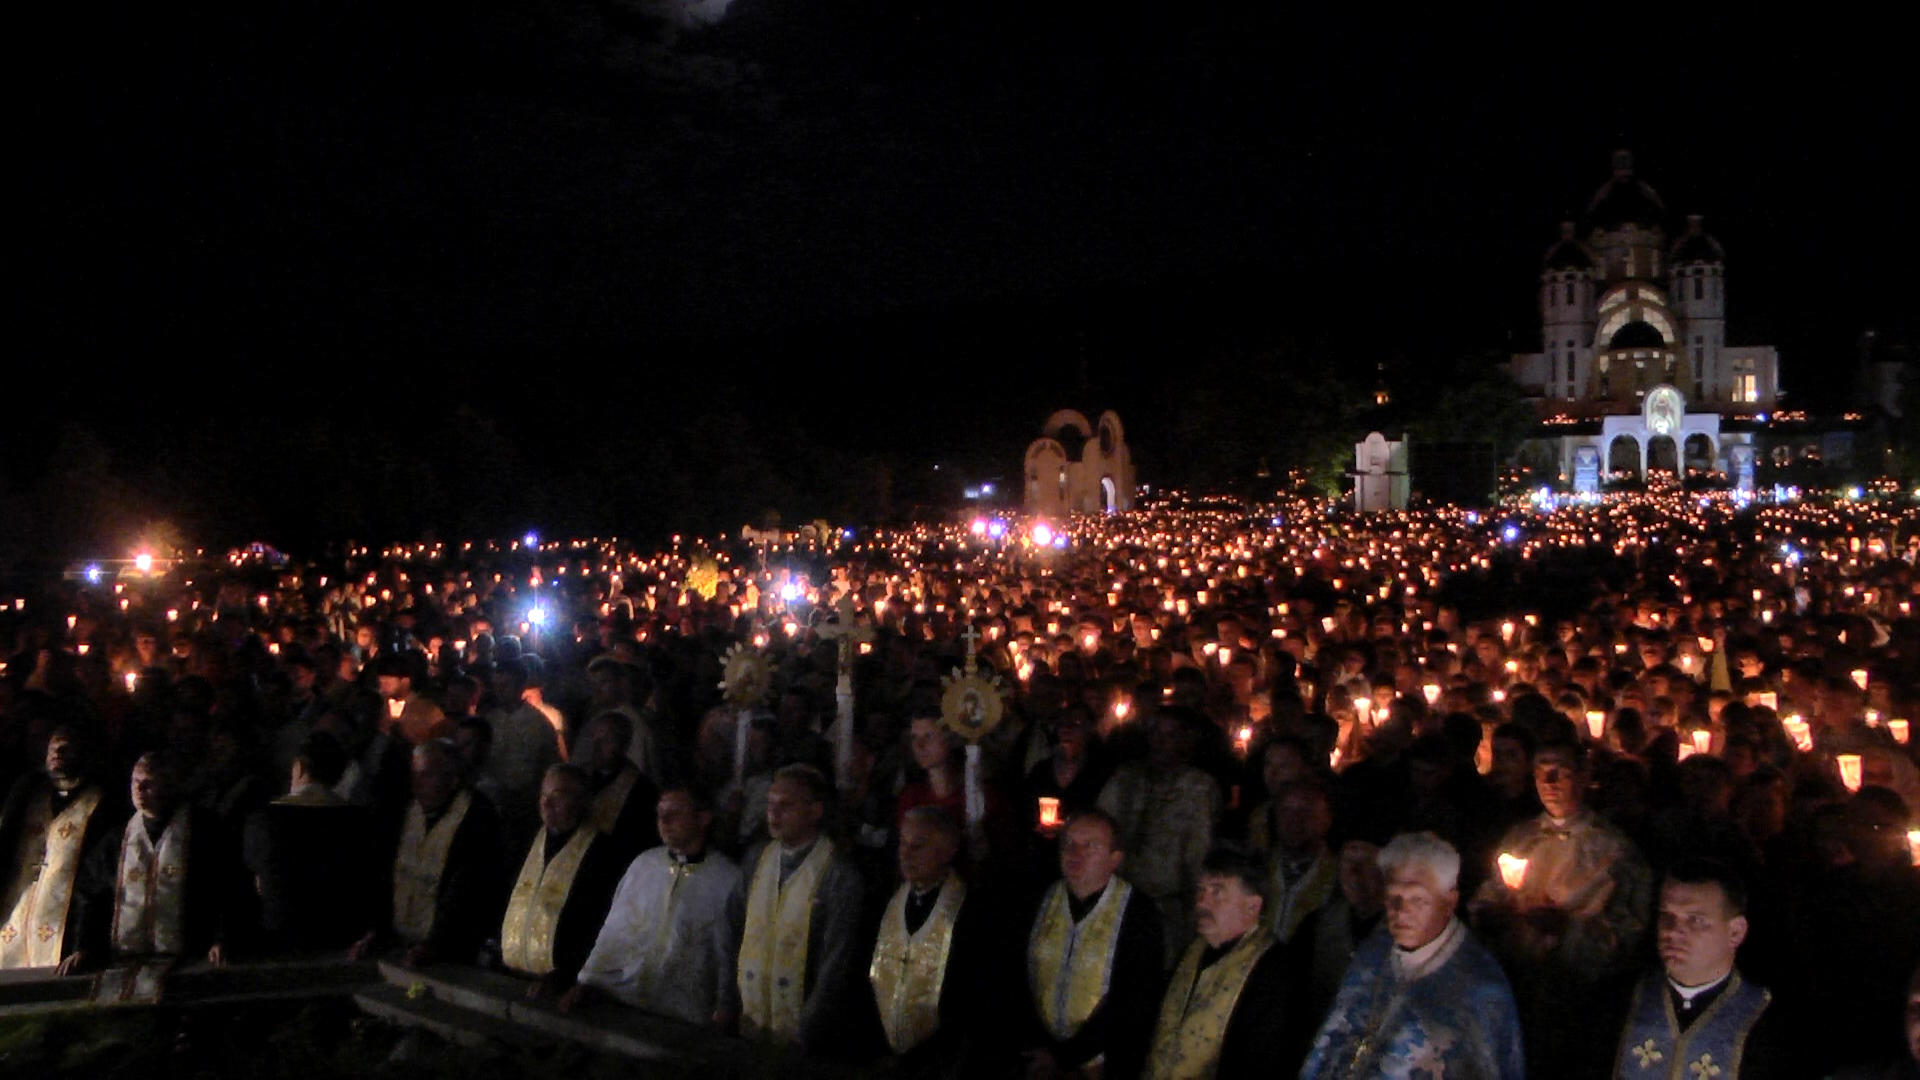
{"x": 604, "y": 811}
{"x": 149, "y": 910}
{"x": 1290, "y": 909}
{"x": 533, "y": 911}
{"x": 773, "y": 946}
{"x": 418, "y": 866}
{"x": 1069, "y": 964}
{"x": 42, "y": 889}
{"x": 1194, "y": 1016}
{"x": 908, "y": 969}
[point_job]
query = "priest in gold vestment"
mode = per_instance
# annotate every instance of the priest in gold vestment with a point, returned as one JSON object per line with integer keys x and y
{"x": 563, "y": 889}
{"x": 1094, "y": 962}
{"x": 51, "y": 830}
{"x": 927, "y": 976}
{"x": 798, "y": 908}
{"x": 447, "y": 893}
{"x": 1226, "y": 1012}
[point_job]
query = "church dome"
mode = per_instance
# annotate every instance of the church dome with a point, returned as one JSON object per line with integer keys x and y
{"x": 1625, "y": 200}
{"x": 1696, "y": 246}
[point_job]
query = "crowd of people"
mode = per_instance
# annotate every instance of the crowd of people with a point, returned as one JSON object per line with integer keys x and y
{"x": 1621, "y": 787}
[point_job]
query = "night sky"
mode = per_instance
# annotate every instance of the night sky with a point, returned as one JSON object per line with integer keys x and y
{"x": 910, "y": 228}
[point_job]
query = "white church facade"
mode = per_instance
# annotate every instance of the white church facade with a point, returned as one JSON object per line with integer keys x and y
{"x": 1628, "y": 309}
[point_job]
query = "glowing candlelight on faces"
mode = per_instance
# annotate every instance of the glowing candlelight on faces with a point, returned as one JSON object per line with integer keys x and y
{"x": 1596, "y": 722}
{"x": 1049, "y": 812}
{"x": 1513, "y": 870}
{"x": 1849, "y": 770}
{"x": 1898, "y": 729}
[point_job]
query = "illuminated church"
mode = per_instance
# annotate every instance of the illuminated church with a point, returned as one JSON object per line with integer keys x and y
{"x": 1626, "y": 308}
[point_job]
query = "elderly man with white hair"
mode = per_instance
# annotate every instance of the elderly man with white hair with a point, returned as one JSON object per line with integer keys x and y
{"x": 1422, "y": 997}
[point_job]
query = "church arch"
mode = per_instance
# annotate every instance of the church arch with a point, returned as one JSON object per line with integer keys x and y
{"x": 1663, "y": 455}
{"x": 1623, "y": 456}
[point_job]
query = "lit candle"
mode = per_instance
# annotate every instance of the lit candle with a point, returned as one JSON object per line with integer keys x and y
{"x": 1596, "y": 722}
{"x": 1898, "y": 729}
{"x": 133, "y": 680}
{"x": 1849, "y": 770}
{"x": 396, "y": 706}
{"x": 1506, "y": 631}
{"x": 1800, "y": 731}
{"x": 1049, "y": 812}
{"x": 1860, "y": 678}
{"x": 1702, "y": 741}
{"x": 1121, "y": 708}
{"x": 1513, "y": 870}
{"x": 1913, "y": 845}
{"x": 1432, "y": 692}
{"x": 1243, "y": 739}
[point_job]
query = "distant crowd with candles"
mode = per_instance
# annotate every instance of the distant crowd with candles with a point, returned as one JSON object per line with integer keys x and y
{"x": 1620, "y": 788}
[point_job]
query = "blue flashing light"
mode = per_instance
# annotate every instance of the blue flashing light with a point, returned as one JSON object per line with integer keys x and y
{"x": 1510, "y": 533}
{"x": 538, "y": 615}
{"x": 93, "y": 575}
{"x": 531, "y": 540}
{"x": 997, "y": 528}
{"x": 789, "y": 592}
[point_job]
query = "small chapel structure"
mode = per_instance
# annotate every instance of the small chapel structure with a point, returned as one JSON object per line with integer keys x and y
{"x": 1079, "y": 468}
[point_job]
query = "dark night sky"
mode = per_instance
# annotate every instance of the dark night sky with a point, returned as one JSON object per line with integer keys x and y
{"x": 934, "y": 215}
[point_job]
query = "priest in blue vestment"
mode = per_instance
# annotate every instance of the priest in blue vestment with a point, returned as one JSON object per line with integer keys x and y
{"x": 1422, "y": 999}
{"x": 1695, "y": 1016}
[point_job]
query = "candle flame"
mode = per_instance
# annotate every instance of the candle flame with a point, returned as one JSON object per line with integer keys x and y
{"x": 1513, "y": 870}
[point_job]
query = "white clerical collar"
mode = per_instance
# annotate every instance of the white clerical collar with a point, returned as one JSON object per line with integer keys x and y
{"x": 1415, "y": 963}
{"x": 1688, "y": 993}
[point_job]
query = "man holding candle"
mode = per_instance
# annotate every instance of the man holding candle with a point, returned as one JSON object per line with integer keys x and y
{"x": 1094, "y": 962}
{"x": 1422, "y": 997}
{"x": 1569, "y": 932}
{"x": 1697, "y": 1013}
